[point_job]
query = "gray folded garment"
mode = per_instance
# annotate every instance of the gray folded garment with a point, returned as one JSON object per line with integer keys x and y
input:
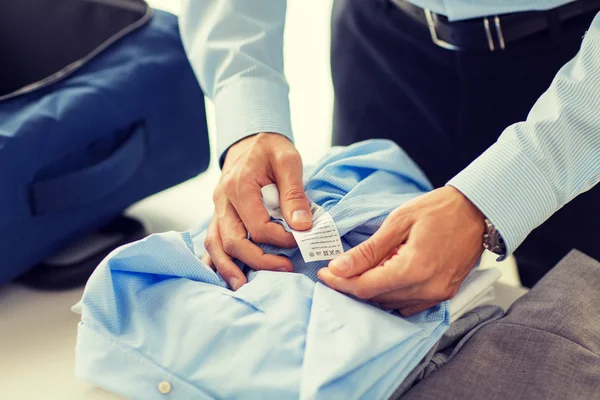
{"x": 547, "y": 346}
{"x": 449, "y": 345}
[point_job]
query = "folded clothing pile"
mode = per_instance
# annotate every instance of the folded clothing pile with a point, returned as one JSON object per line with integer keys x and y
{"x": 158, "y": 321}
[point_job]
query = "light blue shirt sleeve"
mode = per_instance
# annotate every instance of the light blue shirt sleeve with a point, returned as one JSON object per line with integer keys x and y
{"x": 539, "y": 165}
{"x": 236, "y": 50}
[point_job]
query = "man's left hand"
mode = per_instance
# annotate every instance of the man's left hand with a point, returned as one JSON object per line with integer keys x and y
{"x": 418, "y": 258}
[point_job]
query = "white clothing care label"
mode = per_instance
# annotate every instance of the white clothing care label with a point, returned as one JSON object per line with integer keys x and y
{"x": 321, "y": 242}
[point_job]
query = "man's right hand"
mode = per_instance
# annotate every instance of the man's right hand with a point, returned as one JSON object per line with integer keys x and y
{"x": 250, "y": 164}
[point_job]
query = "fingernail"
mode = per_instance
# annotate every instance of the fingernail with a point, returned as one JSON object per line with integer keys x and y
{"x": 233, "y": 282}
{"x": 281, "y": 269}
{"x": 342, "y": 263}
{"x": 320, "y": 273}
{"x": 300, "y": 216}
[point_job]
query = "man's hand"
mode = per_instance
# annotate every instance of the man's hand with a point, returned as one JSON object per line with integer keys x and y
{"x": 250, "y": 164}
{"x": 419, "y": 256}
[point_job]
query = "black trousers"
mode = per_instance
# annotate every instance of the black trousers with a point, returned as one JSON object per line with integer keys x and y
{"x": 444, "y": 108}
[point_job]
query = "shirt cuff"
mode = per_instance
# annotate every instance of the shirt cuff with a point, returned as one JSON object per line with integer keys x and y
{"x": 510, "y": 190}
{"x": 250, "y": 106}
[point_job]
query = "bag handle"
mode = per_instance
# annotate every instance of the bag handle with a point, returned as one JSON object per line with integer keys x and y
{"x": 92, "y": 183}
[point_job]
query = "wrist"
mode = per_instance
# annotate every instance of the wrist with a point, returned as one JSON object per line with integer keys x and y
{"x": 247, "y": 106}
{"x": 238, "y": 147}
{"x": 491, "y": 238}
{"x": 265, "y": 140}
{"x": 472, "y": 212}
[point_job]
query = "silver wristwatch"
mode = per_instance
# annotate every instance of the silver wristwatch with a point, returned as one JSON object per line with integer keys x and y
{"x": 492, "y": 240}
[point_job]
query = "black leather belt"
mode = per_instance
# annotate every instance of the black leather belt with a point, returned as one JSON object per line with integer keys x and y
{"x": 493, "y": 32}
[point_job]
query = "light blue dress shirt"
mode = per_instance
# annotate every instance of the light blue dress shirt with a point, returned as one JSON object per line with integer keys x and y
{"x": 535, "y": 168}
{"x": 457, "y": 10}
{"x": 155, "y": 318}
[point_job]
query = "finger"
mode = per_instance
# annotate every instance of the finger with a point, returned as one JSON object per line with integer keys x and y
{"x": 237, "y": 245}
{"x": 249, "y": 207}
{"x": 391, "y": 275}
{"x": 294, "y": 203}
{"x": 363, "y": 286}
{"x": 411, "y": 310}
{"x": 223, "y": 263}
{"x": 372, "y": 251}
{"x": 396, "y": 305}
{"x": 275, "y": 234}
{"x": 208, "y": 261}
{"x": 407, "y": 294}
{"x": 254, "y": 257}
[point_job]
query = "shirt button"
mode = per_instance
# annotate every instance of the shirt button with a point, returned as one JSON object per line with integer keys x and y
{"x": 164, "y": 387}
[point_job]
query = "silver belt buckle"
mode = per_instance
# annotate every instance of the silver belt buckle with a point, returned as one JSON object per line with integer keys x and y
{"x": 432, "y": 19}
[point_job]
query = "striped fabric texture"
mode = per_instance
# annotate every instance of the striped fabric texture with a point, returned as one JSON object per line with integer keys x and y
{"x": 535, "y": 168}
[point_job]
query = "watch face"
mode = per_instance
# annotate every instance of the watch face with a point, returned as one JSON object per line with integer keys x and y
{"x": 492, "y": 240}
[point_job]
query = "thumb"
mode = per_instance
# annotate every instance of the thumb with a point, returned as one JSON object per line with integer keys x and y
{"x": 370, "y": 253}
{"x": 293, "y": 200}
